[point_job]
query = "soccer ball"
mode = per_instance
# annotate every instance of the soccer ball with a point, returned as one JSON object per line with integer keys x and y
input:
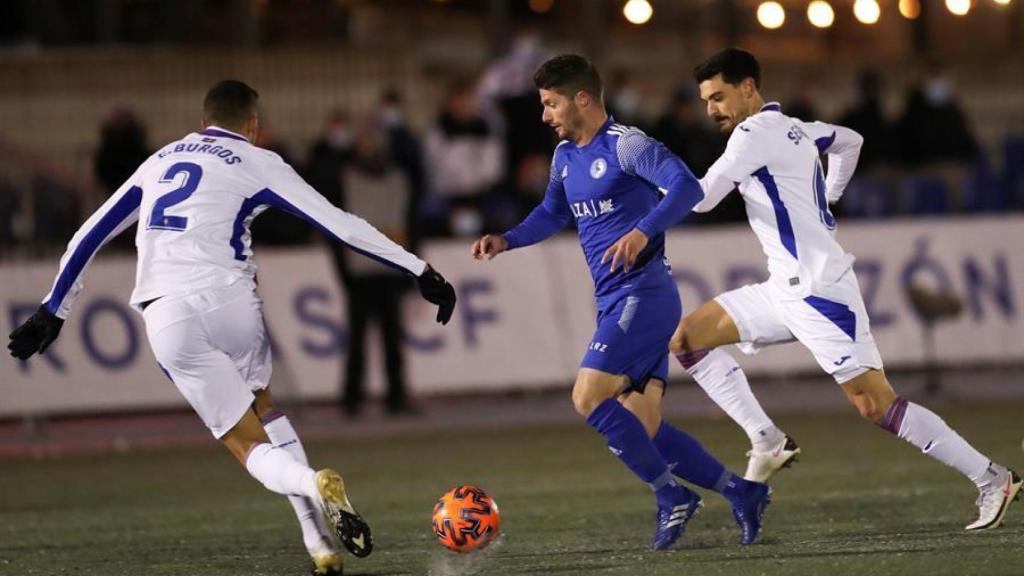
{"x": 465, "y": 518}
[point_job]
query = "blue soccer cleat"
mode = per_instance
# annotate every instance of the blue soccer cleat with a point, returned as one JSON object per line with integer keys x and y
{"x": 748, "y": 508}
{"x": 673, "y": 517}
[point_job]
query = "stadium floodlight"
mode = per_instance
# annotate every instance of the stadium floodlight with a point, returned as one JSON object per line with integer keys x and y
{"x": 910, "y": 9}
{"x": 771, "y": 15}
{"x": 1003, "y": 2}
{"x": 638, "y": 11}
{"x": 959, "y": 7}
{"x": 820, "y": 14}
{"x": 867, "y": 11}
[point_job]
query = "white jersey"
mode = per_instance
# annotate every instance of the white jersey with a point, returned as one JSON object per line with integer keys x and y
{"x": 194, "y": 200}
{"x": 774, "y": 160}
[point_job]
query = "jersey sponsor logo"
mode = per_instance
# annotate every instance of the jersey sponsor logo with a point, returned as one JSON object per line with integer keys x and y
{"x": 598, "y": 168}
{"x": 598, "y": 346}
{"x": 592, "y": 208}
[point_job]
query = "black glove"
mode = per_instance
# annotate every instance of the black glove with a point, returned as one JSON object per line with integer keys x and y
{"x": 35, "y": 335}
{"x": 436, "y": 290}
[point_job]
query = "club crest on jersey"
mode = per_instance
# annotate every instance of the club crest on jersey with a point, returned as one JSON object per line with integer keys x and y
{"x": 598, "y": 168}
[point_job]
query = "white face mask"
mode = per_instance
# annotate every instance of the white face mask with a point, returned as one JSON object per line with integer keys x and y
{"x": 938, "y": 91}
{"x": 340, "y": 138}
{"x": 392, "y": 117}
{"x": 467, "y": 222}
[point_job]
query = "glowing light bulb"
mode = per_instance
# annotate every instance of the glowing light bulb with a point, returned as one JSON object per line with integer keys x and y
{"x": 867, "y": 11}
{"x": 638, "y": 11}
{"x": 771, "y": 15}
{"x": 820, "y": 14}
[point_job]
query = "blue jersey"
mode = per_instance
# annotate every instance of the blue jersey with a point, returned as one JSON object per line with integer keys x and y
{"x": 620, "y": 180}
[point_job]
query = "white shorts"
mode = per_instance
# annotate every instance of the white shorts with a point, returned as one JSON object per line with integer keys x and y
{"x": 213, "y": 345}
{"x": 832, "y": 323}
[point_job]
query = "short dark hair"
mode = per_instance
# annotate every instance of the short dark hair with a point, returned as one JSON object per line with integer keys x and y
{"x": 734, "y": 64}
{"x": 230, "y": 102}
{"x": 568, "y": 74}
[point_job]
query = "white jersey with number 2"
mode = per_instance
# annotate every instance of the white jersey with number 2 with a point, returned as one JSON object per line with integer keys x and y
{"x": 194, "y": 201}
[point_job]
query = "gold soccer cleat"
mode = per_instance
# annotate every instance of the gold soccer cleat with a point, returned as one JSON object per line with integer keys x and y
{"x": 341, "y": 517}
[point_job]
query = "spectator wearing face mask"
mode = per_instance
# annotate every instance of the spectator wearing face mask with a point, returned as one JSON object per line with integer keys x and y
{"x": 934, "y": 128}
{"x": 376, "y": 186}
{"x": 936, "y": 142}
{"x": 465, "y": 159}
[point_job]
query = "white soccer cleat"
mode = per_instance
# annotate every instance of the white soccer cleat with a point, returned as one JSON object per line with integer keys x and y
{"x": 341, "y": 517}
{"x": 994, "y": 499}
{"x": 761, "y": 466}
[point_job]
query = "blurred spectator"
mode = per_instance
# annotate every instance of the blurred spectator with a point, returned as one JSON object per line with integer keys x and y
{"x": 328, "y": 156}
{"x": 684, "y": 130}
{"x": 465, "y": 159}
{"x": 936, "y": 141}
{"x": 9, "y": 206}
{"x": 623, "y": 98}
{"x": 800, "y": 102}
{"x": 55, "y": 213}
{"x": 867, "y": 119}
{"x": 407, "y": 153}
{"x": 378, "y": 190}
{"x": 934, "y": 127}
{"x": 510, "y": 103}
{"x": 277, "y": 227}
{"x": 121, "y": 150}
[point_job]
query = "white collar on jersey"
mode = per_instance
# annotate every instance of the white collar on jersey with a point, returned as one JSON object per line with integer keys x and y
{"x": 217, "y": 131}
{"x": 771, "y": 107}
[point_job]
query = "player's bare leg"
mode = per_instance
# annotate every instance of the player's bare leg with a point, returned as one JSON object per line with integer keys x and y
{"x": 320, "y": 541}
{"x": 697, "y": 345}
{"x": 688, "y": 459}
{"x": 876, "y": 402}
{"x": 279, "y": 472}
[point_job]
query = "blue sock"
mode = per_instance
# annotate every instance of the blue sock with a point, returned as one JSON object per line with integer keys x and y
{"x": 689, "y": 460}
{"x": 627, "y": 439}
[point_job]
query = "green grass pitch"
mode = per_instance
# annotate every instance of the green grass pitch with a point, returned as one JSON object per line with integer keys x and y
{"x": 859, "y": 502}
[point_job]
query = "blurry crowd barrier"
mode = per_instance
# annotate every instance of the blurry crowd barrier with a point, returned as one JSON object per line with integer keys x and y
{"x": 524, "y": 319}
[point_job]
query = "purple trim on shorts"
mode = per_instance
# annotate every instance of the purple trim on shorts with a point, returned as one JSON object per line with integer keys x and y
{"x": 893, "y": 419}
{"x": 690, "y": 359}
{"x": 271, "y": 416}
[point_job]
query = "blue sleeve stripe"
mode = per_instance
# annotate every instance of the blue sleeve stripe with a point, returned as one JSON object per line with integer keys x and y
{"x": 268, "y": 196}
{"x": 825, "y": 142}
{"x": 781, "y": 213}
{"x": 90, "y": 244}
{"x": 839, "y": 314}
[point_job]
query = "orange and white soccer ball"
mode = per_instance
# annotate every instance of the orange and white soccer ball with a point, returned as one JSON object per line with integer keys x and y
{"x": 466, "y": 518}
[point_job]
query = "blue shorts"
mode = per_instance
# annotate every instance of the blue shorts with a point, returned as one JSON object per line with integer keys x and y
{"x": 632, "y": 336}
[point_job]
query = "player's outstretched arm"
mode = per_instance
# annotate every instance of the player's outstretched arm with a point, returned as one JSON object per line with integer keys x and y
{"x": 120, "y": 211}
{"x": 289, "y": 192}
{"x": 646, "y": 158}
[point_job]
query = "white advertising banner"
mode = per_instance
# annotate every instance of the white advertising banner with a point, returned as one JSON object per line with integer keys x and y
{"x": 523, "y": 320}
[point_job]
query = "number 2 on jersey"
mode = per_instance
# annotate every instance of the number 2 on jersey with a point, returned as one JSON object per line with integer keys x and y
{"x": 160, "y": 221}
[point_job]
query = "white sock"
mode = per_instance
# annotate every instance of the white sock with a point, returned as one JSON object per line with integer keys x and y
{"x": 724, "y": 381}
{"x": 924, "y": 429}
{"x": 280, "y": 473}
{"x": 283, "y": 436}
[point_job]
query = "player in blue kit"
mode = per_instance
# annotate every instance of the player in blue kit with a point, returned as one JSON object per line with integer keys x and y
{"x": 623, "y": 189}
